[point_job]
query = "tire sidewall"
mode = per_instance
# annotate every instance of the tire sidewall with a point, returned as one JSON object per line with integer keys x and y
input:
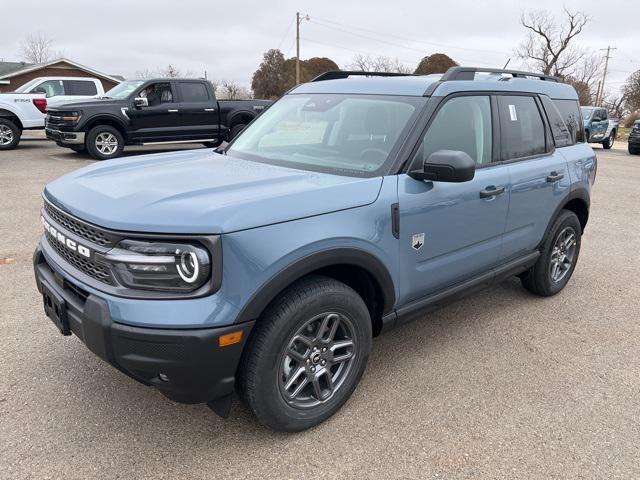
{"x": 565, "y": 219}
{"x": 236, "y": 130}
{"x": 274, "y": 411}
{"x": 91, "y": 139}
{"x": 16, "y": 134}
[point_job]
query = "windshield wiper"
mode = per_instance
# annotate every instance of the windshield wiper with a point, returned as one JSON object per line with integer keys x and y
{"x": 222, "y": 148}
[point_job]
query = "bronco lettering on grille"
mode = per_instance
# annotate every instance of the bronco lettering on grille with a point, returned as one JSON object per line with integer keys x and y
{"x": 67, "y": 242}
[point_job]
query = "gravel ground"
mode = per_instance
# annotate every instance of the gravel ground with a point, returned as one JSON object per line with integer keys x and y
{"x": 499, "y": 385}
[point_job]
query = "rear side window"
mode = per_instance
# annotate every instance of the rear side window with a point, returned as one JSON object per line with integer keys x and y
{"x": 80, "y": 87}
{"x": 570, "y": 111}
{"x": 522, "y": 129}
{"x": 561, "y": 134}
{"x": 193, "y": 92}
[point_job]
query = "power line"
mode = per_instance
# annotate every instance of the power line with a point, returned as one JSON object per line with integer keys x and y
{"x": 350, "y": 27}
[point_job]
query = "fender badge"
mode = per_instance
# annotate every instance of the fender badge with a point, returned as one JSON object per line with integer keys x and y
{"x": 417, "y": 241}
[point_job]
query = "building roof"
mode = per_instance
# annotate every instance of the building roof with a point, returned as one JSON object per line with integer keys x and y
{"x": 12, "y": 69}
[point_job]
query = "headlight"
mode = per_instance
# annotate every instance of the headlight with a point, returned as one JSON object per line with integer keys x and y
{"x": 164, "y": 266}
{"x": 71, "y": 117}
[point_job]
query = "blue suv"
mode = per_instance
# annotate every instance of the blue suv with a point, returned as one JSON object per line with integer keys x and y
{"x": 357, "y": 202}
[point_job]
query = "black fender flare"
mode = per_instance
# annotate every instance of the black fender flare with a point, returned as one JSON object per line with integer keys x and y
{"x": 96, "y": 119}
{"x": 579, "y": 193}
{"x": 315, "y": 261}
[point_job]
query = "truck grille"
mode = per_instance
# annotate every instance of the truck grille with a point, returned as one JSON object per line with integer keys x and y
{"x": 87, "y": 266}
{"x": 81, "y": 229}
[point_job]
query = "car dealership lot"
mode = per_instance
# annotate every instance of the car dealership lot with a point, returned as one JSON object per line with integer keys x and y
{"x": 499, "y": 385}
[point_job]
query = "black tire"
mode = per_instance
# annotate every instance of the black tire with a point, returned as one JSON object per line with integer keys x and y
{"x": 608, "y": 143}
{"x": 633, "y": 150}
{"x": 235, "y": 130}
{"x": 262, "y": 372}
{"x": 78, "y": 148}
{"x": 539, "y": 279}
{"x": 107, "y": 133}
{"x": 10, "y": 134}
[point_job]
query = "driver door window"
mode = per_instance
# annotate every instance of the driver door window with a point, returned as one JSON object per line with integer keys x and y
{"x": 157, "y": 93}
{"x": 52, "y": 88}
{"x": 464, "y": 124}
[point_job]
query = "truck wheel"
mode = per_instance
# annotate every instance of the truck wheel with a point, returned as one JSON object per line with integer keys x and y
{"x": 235, "y": 130}
{"x": 608, "y": 143}
{"x": 634, "y": 150}
{"x": 9, "y": 134}
{"x": 306, "y": 354}
{"x": 104, "y": 142}
{"x": 558, "y": 257}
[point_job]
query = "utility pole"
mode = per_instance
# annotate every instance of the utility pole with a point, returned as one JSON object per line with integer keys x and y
{"x": 600, "y": 96}
{"x": 299, "y": 20}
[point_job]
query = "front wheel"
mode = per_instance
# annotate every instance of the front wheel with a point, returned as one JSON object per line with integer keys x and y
{"x": 558, "y": 257}
{"x": 608, "y": 143}
{"x": 235, "y": 130}
{"x": 9, "y": 134}
{"x": 634, "y": 150}
{"x": 306, "y": 354}
{"x": 104, "y": 142}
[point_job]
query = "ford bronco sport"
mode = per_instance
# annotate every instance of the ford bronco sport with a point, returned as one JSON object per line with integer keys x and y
{"x": 357, "y": 202}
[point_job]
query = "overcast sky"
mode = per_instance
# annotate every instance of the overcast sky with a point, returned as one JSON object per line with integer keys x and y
{"x": 227, "y": 39}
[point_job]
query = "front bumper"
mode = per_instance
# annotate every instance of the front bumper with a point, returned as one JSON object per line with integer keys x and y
{"x": 65, "y": 138}
{"x": 187, "y": 365}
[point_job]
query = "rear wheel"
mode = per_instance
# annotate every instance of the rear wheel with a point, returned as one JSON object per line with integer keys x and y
{"x": 306, "y": 354}
{"x": 104, "y": 142}
{"x": 9, "y": 134}
{"x": 608, "y": 143}
{"x": 558, "y": 257}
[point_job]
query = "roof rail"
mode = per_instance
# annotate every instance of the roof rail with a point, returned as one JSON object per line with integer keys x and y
{"x": 338, "y": 74}
{"x": 468, "y": 73}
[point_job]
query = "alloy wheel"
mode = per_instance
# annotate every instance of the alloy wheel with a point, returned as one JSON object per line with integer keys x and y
{"x": 106, "y": 143}
{"x": 562, "y": 254}
{"x": 316, "y": 360}
{"x": 6, "y": 135}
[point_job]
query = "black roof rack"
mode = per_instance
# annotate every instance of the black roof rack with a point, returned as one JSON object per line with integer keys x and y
{"x": 468, "y": 73}
{"x": 337, "y": 74}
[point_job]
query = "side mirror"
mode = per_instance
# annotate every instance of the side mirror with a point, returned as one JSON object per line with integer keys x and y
{"x": 140, "y": 102}
{"x": 447, "y": 166}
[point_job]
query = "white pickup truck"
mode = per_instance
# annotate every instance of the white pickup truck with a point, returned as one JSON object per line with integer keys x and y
{"x": 25, "y": 108}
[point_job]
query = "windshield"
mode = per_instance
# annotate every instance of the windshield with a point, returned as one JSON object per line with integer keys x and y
{"x": 586, "y": 112}
{"x": 342, "y": 134}
{"x": 27, "y": 86}
{"x": 124, "y": 89}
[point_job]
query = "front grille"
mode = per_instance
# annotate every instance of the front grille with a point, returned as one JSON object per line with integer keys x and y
{"x": 85, "y": 265}
{"x": 81, "y": 229}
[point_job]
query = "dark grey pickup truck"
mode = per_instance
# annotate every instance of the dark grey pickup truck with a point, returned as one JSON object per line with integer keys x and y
{"x": 136, "y": 112}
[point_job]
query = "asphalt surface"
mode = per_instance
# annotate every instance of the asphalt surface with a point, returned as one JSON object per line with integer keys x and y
{"x": 499, "y": 385}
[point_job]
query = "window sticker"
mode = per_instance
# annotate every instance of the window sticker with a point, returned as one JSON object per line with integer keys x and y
{"x": 512, "y": 113}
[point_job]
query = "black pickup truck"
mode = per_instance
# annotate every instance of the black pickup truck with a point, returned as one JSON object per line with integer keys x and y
{"x": 136, "y": 112}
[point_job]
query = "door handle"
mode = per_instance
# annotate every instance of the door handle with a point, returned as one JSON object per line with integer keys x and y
{"x": 172, "y": 110}
{"x": 554, "y": 177}
{"x": 491, "y": 191}
{"x": 209, "y": 109}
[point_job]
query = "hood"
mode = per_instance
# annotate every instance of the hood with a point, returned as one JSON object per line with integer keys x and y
{"x": 85, "y": 103}
{"x": 202, "y": 192}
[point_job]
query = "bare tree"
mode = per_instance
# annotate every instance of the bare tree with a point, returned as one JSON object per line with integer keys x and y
{"x": 549, "y": 46}
{"x": 616, "y": 105}
{"x": 36, "y": 48}
{"x": 381, "y": 63}
{"x": 145, "y": 73}
{"x": 231, "y": 90}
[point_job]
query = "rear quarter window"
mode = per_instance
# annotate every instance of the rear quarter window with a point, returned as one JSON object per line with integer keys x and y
{"x": 561, "y": 134}
{"x": 570, "y": 111}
